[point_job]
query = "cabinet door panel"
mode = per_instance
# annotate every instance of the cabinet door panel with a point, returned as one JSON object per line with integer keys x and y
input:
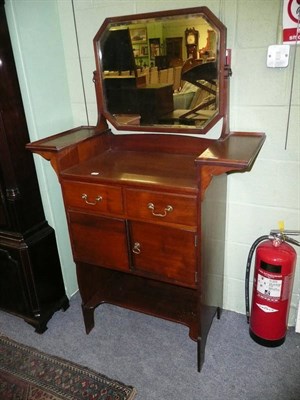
{"x": 13, "y": 294}
{"x": 164, "y": 252}
{"x": 98, "y": 240}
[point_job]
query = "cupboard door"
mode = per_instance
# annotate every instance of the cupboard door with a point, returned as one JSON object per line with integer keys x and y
{"x": 98, "y": 240}
{"x": 13, "y": 294}
{"x": 164, "y": 253}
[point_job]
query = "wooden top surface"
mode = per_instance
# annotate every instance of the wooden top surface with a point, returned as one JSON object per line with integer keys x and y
{"x": 167, "y": 161}
{"x": 140, "y": 168}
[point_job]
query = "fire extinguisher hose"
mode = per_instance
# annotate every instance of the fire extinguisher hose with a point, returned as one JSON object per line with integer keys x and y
{"x": 248, "y": 268}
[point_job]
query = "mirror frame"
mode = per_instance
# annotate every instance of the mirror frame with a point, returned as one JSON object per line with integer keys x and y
{"x": 223, "y": 74}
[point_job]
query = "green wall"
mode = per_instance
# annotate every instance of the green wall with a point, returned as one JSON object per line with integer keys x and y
{"x": 39, "y": 54}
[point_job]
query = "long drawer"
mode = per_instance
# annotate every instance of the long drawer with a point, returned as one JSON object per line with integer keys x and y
{"x": 158, "y": 206}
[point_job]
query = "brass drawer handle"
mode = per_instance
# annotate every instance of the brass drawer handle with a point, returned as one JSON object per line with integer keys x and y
{"x": 136, "y": 248}
{"x": 84, "y": 196}
{"x": 167, "y": 210}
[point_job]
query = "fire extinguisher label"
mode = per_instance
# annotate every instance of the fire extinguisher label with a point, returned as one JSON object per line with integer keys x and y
{"x": 265, "y": 308}
{"x": 269, "y": 287}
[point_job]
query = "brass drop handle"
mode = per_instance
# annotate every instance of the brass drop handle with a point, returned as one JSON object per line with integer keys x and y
{"x": 136, "y": 248}
{"x": 167, "y": 210}
{"x": 84, "y": 196}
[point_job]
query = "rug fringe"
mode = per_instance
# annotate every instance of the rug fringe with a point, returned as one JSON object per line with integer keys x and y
{"x": 133, "y": 394}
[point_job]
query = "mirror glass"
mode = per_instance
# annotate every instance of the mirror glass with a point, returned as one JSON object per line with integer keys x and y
{"x": 161, "y": 71}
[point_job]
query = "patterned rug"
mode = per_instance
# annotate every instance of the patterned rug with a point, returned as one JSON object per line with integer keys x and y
{"x": 28, "y": 374}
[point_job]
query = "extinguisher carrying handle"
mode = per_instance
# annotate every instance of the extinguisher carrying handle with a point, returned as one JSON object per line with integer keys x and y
{"x": 282, "y": 235}
{"x": 292, "y": 241}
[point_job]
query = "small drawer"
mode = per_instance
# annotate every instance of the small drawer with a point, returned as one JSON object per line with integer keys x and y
{"x": 161, "y": 207}
{"x": 96, "y": 198}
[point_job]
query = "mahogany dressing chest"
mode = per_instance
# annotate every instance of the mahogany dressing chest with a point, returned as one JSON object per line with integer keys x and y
{"x": 146, "y": 210}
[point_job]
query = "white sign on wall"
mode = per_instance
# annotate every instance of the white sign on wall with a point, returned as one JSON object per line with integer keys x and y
{"x": 291, "y": 12}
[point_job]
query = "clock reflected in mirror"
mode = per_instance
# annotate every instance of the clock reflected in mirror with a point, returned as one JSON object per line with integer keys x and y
{"x": 191, "y": 42}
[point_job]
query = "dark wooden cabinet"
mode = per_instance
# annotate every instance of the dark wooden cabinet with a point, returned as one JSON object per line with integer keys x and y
{"x": 126, "y": 95}
{"x": 31, "y": 284}
{"x": 154, "y": 101}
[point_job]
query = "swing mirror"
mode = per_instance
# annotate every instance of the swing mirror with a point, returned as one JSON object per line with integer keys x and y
{"x": 162, "y": 72}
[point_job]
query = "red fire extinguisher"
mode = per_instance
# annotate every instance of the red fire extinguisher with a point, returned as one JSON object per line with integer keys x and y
{"x": 274, "y": 272}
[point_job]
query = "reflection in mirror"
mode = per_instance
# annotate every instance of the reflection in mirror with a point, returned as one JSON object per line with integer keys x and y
{"x": 160, "y": 71}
